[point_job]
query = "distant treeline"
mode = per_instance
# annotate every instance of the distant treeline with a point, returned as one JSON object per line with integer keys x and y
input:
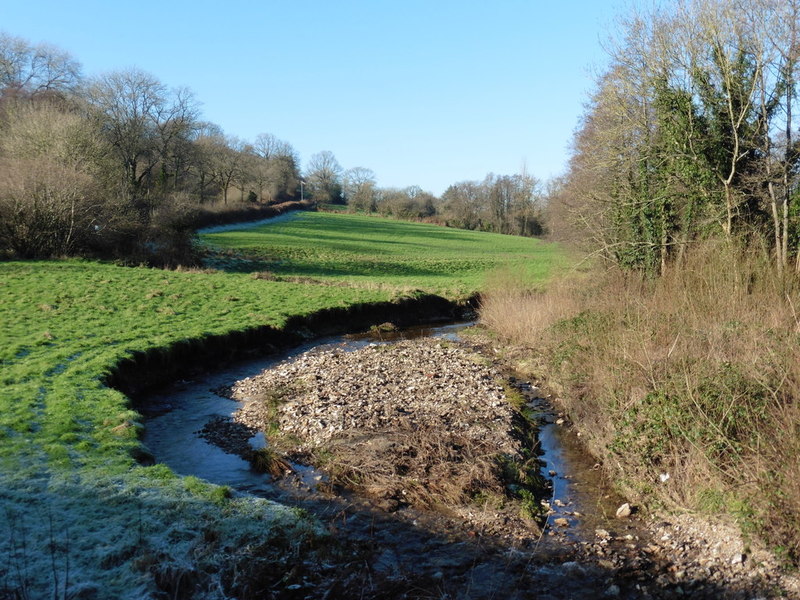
{"x": 121, "y": 165}
{"x": 511, "y": 204}
{"x": 117, "y": 165}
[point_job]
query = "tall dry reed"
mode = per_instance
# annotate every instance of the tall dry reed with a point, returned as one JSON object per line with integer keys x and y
{"x": 695, "y": 375}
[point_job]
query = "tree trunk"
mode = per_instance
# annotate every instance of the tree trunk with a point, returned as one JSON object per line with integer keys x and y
{"x": 728, "y": 226}
{"x": 787, "y": 161}
{"x": 780, "y": 259}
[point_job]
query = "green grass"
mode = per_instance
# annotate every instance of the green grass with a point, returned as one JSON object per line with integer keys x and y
{"x": 66, "y": 324}
{"x": 364, "y": 250}
{"x": 69, "y": 487}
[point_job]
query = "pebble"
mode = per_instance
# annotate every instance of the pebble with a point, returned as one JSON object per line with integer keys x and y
{"x": 624, "y": 511}
{"x": 561, "y": 522}
{"x": 383, "y": 387}
{"x": 415, "y": 412}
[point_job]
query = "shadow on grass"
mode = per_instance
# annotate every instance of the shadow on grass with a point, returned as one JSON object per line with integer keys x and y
{"x": 183, "y": 547}
{"x": 341, "y": 269}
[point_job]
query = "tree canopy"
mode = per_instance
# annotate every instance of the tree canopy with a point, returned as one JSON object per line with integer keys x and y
{"x": 690, "y": 134}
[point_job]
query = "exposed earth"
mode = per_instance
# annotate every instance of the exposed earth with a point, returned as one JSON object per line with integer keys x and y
{"x": 416, "y": 456}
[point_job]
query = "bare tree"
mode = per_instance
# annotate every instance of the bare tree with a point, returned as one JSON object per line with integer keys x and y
{"x": 175, "y": 122}
{"x": 509, "y": 204}
{"x": 776, "y": 27}
{"x": 227, "y": 162}
{"x": 45, "y": 129}
{"x": 142, "y": 121}
{"x": 464, "y": 204}
{"x": 323, "y": 175}
{"x": 275, "y": 174}
{"x": 51, "y": 201}
{"x": 359, "y": 188}
{"x": 46, "y": 208}
{"x": 267, "y": 146}
{"x": 35, "y": 69}
{"x": 204, "y": 146}
{"x": 527, "y": 208}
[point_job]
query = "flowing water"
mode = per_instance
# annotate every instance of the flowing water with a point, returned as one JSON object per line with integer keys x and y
{"x": 176, "y": 414}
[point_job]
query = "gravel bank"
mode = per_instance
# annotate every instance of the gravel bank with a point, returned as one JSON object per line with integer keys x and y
{"x": 424, "y": 423}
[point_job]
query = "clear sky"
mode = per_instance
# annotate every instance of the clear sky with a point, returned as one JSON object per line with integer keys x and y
{"x": 423, "y": 92}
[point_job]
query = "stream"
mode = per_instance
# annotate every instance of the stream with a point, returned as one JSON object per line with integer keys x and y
{"x": 176, "y": 414}
{"x": 420, "y": 550}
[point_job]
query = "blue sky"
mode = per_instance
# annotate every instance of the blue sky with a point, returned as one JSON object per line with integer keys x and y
{"x": 424, "y": 93}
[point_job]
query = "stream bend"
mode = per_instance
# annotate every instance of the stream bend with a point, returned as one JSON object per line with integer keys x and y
{"x": 404, "y": 544}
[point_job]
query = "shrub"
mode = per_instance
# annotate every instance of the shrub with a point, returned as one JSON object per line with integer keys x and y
{"x": 46, "y": 209}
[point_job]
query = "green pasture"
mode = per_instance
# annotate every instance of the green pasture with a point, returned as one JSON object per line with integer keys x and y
{"x": 67, "y": 440}
{"x": 364, "y": 250}
{"x": 66, "y": 323}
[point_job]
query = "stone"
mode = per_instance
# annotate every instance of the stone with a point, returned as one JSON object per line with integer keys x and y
{"x": 602, "y": 534}
{"x": 573, "y": 569}
{"x": 624, "y": 511}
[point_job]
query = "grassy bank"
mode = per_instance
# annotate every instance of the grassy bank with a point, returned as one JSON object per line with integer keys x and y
{"x": 80, "y": 517}
{"x": 686, "y": 386}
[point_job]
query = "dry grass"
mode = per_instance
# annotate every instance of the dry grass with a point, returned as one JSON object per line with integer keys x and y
{"x": 696, "y": 375}
{"x": 267, "y": 460}
{"x": 517, "y": 313}
{"x": 424, "y": 467}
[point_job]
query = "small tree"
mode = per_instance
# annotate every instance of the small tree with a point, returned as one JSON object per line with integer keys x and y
{"x": 323, "y": 175}
{"x": 359, "y": 189}
{"x": 51, "y": 197}
{"x": 274, "y": 171}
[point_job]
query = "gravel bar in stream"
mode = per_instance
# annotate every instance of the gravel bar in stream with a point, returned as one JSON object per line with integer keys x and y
{"x": 420, "y": 422}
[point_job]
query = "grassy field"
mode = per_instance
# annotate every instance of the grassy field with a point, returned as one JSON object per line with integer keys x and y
{"x": 78, "y": 516}
{"x": 371, "y": 251}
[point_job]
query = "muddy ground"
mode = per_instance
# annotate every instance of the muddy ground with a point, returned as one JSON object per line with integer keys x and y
{"x": 416, "y": 457}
